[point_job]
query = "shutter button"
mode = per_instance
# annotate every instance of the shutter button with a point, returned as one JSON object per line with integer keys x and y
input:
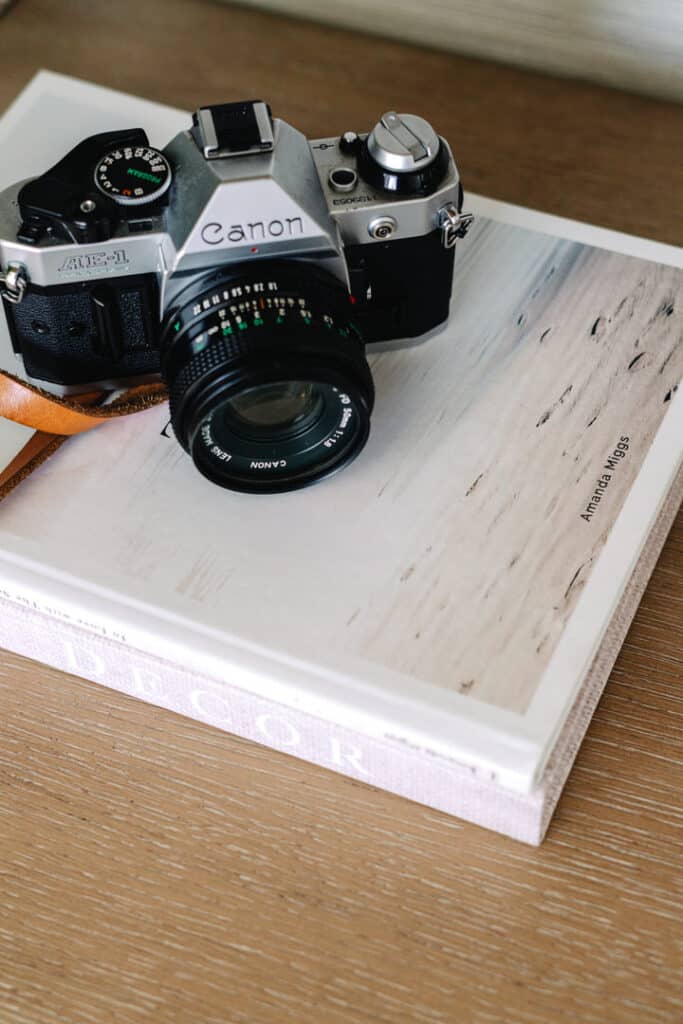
{"x": 349, "y": 143}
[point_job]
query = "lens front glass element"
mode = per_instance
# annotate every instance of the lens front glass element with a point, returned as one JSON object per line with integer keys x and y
{"x": 272, "y": 411}
{"x": 277, "y": 436}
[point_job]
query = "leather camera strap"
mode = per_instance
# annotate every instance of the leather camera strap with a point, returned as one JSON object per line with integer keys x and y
{"x": 40, "y": 410}
{"x": 54, "y": 419}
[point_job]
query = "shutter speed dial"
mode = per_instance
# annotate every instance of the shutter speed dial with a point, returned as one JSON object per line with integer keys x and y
{"x": 133, "y": 175}
{"x": 404, "y": 155}
{"x": 403, "y": 143}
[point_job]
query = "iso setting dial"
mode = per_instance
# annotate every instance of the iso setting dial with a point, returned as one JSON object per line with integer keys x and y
{"x": 132, "y": 175}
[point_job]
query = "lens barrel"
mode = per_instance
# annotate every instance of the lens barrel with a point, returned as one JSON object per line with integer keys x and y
{"x": 269, "y": 386}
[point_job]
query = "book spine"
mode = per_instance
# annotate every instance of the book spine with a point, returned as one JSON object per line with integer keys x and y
{"x": 426, "y": 778}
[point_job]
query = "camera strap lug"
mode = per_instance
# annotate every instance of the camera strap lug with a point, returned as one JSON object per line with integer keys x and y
{"x": 453, "y": 225}
{"x": 15, "y": 283}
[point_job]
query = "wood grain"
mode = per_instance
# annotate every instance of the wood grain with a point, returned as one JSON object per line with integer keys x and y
{"x": 155, "y": 869}
{"x": 623, "y": 43}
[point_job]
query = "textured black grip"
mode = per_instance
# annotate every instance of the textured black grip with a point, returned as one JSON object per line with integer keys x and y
{"x": 402, "y": 287}
{"x": 67, "y": 335}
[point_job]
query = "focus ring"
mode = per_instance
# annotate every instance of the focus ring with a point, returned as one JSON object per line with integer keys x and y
{"x": 213, "y": 357}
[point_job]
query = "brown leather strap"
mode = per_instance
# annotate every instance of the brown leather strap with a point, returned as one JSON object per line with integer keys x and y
{"x": 39, "y": 448}
{"x": 55, "y": 419}
{"x": 42, "y": 411}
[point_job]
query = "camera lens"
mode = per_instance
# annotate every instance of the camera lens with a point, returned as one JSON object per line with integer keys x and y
{"x": 268, "y": 382}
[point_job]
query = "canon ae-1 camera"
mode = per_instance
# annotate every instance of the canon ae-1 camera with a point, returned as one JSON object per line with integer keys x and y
{"x": 244, "y": 265}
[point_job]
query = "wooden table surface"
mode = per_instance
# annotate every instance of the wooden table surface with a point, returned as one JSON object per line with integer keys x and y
{"x": 154, "y": 869}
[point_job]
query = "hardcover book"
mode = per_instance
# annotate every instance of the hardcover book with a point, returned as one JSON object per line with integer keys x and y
{"x": 440, "y": 618}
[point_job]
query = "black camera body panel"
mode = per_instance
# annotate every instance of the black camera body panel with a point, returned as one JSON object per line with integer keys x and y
{"x": 101, "y": 330}
{"x": 402, "y": 288}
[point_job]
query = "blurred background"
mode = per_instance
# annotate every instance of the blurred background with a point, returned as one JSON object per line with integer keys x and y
{"x": 631, "y": 44}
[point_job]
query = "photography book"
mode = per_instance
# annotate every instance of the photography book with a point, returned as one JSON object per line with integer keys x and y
{"x": 440, "y": 618}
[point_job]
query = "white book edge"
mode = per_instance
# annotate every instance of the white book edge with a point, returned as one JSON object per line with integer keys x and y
{"x": 90, "y": 649}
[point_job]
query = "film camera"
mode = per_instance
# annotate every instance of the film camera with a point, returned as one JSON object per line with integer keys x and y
{"x": 246, "y": 266}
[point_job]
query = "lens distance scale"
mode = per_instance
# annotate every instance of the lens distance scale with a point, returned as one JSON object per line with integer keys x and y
{"x": 233, "y": 308}
{"x": 133, "y": 175}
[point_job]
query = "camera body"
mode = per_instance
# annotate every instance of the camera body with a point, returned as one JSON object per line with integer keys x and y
{"x": 120, "y": 249}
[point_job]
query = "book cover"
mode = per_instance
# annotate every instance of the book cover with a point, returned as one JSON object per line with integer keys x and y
{"x": 438, "y": 619}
